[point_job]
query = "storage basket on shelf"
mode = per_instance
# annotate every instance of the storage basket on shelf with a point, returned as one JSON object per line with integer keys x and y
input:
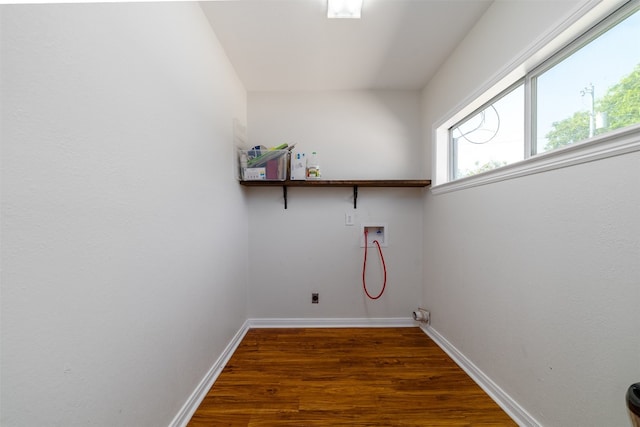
{"x": 263, "y": 164}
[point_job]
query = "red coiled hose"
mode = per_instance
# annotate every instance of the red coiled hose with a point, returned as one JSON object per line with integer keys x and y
{"x": 364, "y": 268}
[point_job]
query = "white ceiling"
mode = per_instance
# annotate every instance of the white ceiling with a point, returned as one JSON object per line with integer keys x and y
{"x": 288, "y": 45}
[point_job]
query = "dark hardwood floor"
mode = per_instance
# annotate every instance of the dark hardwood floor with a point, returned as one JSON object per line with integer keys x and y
{"x": 344, "y": 377}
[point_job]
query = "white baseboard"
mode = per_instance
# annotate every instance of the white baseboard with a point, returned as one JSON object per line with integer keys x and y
{"x": 191, "y": 405}
{"x": 506, "y": 402}
{"x": 382, "y": 322}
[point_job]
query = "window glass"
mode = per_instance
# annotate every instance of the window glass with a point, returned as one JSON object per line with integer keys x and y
{"x": 491, "y": 138}
{"x": 593, "y": 91}
{"x": 589, "y": 89}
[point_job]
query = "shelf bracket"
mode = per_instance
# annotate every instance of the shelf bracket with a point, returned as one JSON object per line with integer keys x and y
{"x": 355, "y": 197}
{"x": 284, "y": 195}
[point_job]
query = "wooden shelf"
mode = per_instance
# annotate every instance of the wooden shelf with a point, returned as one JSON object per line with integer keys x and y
{"x": 339, "y": 183}
{"x": 342, "y": 183}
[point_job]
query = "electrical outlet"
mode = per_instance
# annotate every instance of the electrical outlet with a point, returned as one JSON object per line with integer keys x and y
{"x": 315, "y": 298}
{"x": 348, "y": 218}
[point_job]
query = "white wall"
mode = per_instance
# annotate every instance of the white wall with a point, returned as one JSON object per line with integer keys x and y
{"x": 123, "y": 230}
{"x": 536, "y": 279}
{"x": 358, "y": 135}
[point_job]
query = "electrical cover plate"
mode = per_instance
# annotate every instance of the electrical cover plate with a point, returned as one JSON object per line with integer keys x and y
{"x": 348, "y": 218}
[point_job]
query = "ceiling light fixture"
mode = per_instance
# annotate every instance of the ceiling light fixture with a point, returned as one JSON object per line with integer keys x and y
{"x": 344, "y": 9}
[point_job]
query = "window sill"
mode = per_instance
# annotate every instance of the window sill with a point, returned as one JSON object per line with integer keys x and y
{"x": 616, "y": 143}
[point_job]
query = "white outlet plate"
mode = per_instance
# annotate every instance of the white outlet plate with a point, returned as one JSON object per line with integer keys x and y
{"x": 348, "y": 218}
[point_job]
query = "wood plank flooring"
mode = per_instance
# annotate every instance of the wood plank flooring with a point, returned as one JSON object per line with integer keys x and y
{"x": 344, "y": 377}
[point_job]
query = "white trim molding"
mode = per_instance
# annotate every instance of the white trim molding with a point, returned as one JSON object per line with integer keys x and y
{"x": 506, "y": 402}
{"x": 615, "y": 143}
{"x": 183, "y": 416}
{"x": 509, "y": 405}
{"x": 384, "y": 322}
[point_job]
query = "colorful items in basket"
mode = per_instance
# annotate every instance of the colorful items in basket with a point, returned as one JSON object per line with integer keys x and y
{"x": 261, "y": 163}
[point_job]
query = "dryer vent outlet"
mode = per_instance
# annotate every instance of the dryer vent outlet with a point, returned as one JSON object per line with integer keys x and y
{"x": 421, "y": 315}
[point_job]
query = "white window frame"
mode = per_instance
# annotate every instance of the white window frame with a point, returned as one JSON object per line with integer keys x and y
{"x": 588, "y": 22}
{"x": 452, "y": 152}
